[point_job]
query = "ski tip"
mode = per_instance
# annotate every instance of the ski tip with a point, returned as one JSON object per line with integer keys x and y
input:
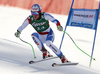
{"x": 53, "y": 65}
{"x": 30, "y": 62}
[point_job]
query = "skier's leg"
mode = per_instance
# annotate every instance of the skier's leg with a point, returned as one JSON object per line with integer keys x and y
{"x": 37, "y": 39}
{"x": 49, "y": 40}
{"x": 56, "y": 51}
{"x": 38, "y": 42}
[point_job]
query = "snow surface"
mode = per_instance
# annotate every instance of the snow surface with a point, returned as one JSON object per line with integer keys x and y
{"x": 15, "y": 55}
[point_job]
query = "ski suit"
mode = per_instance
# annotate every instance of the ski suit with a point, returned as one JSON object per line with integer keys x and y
{"x": 43, "y": 34}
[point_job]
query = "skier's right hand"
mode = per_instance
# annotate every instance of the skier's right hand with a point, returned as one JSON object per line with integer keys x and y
{"x": 17, "y": 34}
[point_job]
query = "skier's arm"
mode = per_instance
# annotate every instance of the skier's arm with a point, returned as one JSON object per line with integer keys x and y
{"x": 23, "y": 26}
{"x": 52, "y": 19}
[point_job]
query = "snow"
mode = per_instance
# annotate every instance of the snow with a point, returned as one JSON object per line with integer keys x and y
{"x": 15, "y": 55}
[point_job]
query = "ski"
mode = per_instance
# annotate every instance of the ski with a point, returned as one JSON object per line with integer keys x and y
{"x": 49, "y": 58}
{"x": 63, "y": 64}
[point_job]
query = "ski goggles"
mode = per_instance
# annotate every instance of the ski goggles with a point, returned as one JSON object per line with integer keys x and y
{"x": 35, "y": 13}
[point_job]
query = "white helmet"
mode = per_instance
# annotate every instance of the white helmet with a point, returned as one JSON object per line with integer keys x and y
{"x": 36, "y": 9}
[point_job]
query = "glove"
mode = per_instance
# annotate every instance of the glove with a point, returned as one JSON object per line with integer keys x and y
{"x": 60, "y": 28}
{"x": 17, "y": 34}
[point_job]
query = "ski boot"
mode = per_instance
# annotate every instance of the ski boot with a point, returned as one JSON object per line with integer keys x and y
{"x": 63, "y": 59}
{"x": 46, "y": 54}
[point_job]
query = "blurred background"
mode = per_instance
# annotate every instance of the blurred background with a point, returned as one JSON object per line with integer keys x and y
{"x": 53, "y": 6}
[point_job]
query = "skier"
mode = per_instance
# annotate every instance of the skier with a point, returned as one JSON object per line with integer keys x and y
{"x": 44, "y": 34}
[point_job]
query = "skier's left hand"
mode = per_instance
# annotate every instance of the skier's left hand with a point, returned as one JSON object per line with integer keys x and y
{"x": 60, "y": 28}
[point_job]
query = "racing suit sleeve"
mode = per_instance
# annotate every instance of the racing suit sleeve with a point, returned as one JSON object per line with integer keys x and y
{"x": 51, "y": 18}
{"x": 24, "y": 25}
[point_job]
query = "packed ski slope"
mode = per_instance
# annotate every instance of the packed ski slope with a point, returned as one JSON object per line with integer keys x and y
{"x": 15, "y": 55}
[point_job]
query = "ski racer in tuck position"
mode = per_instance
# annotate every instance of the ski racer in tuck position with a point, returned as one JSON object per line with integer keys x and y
{"x": 44, "y": 34}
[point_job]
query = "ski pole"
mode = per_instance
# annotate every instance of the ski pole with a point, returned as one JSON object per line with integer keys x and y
{"x": 30, "y": 45}
{"x": 77, "y": 46}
